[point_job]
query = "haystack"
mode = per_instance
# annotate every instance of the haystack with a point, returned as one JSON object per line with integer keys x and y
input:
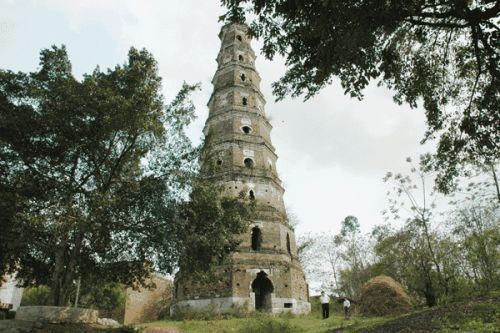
{"x": 383, "y": 296}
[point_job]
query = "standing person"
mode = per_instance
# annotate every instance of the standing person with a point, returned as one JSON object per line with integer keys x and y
{"x": 325, "y": 304}
{"x": 347, "y": 307}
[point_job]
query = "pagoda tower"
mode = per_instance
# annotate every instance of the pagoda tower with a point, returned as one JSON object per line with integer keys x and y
{"x": 264, "y": 272}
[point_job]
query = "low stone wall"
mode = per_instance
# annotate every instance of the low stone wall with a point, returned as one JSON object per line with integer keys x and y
{"x": 57, "y": 314}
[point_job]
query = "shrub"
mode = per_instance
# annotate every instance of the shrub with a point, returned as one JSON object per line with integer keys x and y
{"x": 40, "y": 295}
{"x": 109, "y": 298}
{"x": 383, "y": 296}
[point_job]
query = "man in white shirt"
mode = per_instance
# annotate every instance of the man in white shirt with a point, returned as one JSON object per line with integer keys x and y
{"x": 347, "y": 307}
{"x": 325, "y": 304}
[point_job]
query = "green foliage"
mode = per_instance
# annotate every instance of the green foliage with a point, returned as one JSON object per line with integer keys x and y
{"x": 109, "y": 298}
{"x": 439, "y": 257}
{"x": 40, "y": 295}
{"x": 95, "y": 177}
{"x": 438, "y": 53}
{"x": 441, "y": 262}
{"x": 209, "y": 223}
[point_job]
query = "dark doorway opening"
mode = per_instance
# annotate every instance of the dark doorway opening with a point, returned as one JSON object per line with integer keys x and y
{"x": 256, "y": 239}
{"x": 262, "y": 287}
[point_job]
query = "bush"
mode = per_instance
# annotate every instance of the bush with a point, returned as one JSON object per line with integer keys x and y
{"x": 382, "y": 296}
{"x": 36, "y": 296}
{"x": 108, "y": 298}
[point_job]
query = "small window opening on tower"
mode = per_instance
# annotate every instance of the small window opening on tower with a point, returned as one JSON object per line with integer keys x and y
{"x": 219, "y": 162}
{"x": 238, "y": 37}
{"x": 288, "y": 305}
{"x": 248, "y": 162}
{"x": 243, "y": 77}
{"x": 251, "y": 194}
{"x": 246, "y": 129}
{"x": 288, "y": 244}
{"x": 240, "y": 57}
{"x": 256, "y": 239}
{"x": 244, "y": 101}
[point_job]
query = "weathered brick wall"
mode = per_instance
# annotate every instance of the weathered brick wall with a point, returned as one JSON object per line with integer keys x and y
{"x": 145, "y": 305}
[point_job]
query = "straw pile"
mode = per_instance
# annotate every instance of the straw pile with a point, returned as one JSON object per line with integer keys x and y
{"x": 383, "y": 296}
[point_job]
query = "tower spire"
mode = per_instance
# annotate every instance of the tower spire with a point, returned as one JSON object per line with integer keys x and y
{"x": 264, "y": 272}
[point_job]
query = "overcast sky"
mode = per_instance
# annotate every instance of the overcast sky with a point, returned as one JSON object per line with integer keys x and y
{"x": 333, "y": 151}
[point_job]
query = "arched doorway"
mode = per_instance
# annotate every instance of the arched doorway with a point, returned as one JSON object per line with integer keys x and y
{"x": 262, "y": 287}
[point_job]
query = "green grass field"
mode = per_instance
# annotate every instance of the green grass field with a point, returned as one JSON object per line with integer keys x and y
{"x": 479, "y": 315}
{"x": 310, "y": 324}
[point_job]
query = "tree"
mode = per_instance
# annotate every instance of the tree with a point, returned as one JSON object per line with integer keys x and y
{"x": 475, "y": 221}
{"x": 320, "y": 257}
{"x": 441, "y": 53}
{"x": 95, "y": 175}
{"x": 411, "y": 199}
{"x": 354, "y": 250}
{"x": 401, "y": 255}
{"x": 207, "y": 224}
{"x": 337, "y": 262}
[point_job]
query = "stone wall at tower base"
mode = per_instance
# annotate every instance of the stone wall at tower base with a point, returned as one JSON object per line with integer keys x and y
{"x": 276, "y": 278}
{"x": 240, "y": 304}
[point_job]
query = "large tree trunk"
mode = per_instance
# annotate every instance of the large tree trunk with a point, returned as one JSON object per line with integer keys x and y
{"x": 58, "y": 276}
{"x": 495, "y": 179}
{"x": 66, "y": 262}
{"x": 430, "y": 294}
